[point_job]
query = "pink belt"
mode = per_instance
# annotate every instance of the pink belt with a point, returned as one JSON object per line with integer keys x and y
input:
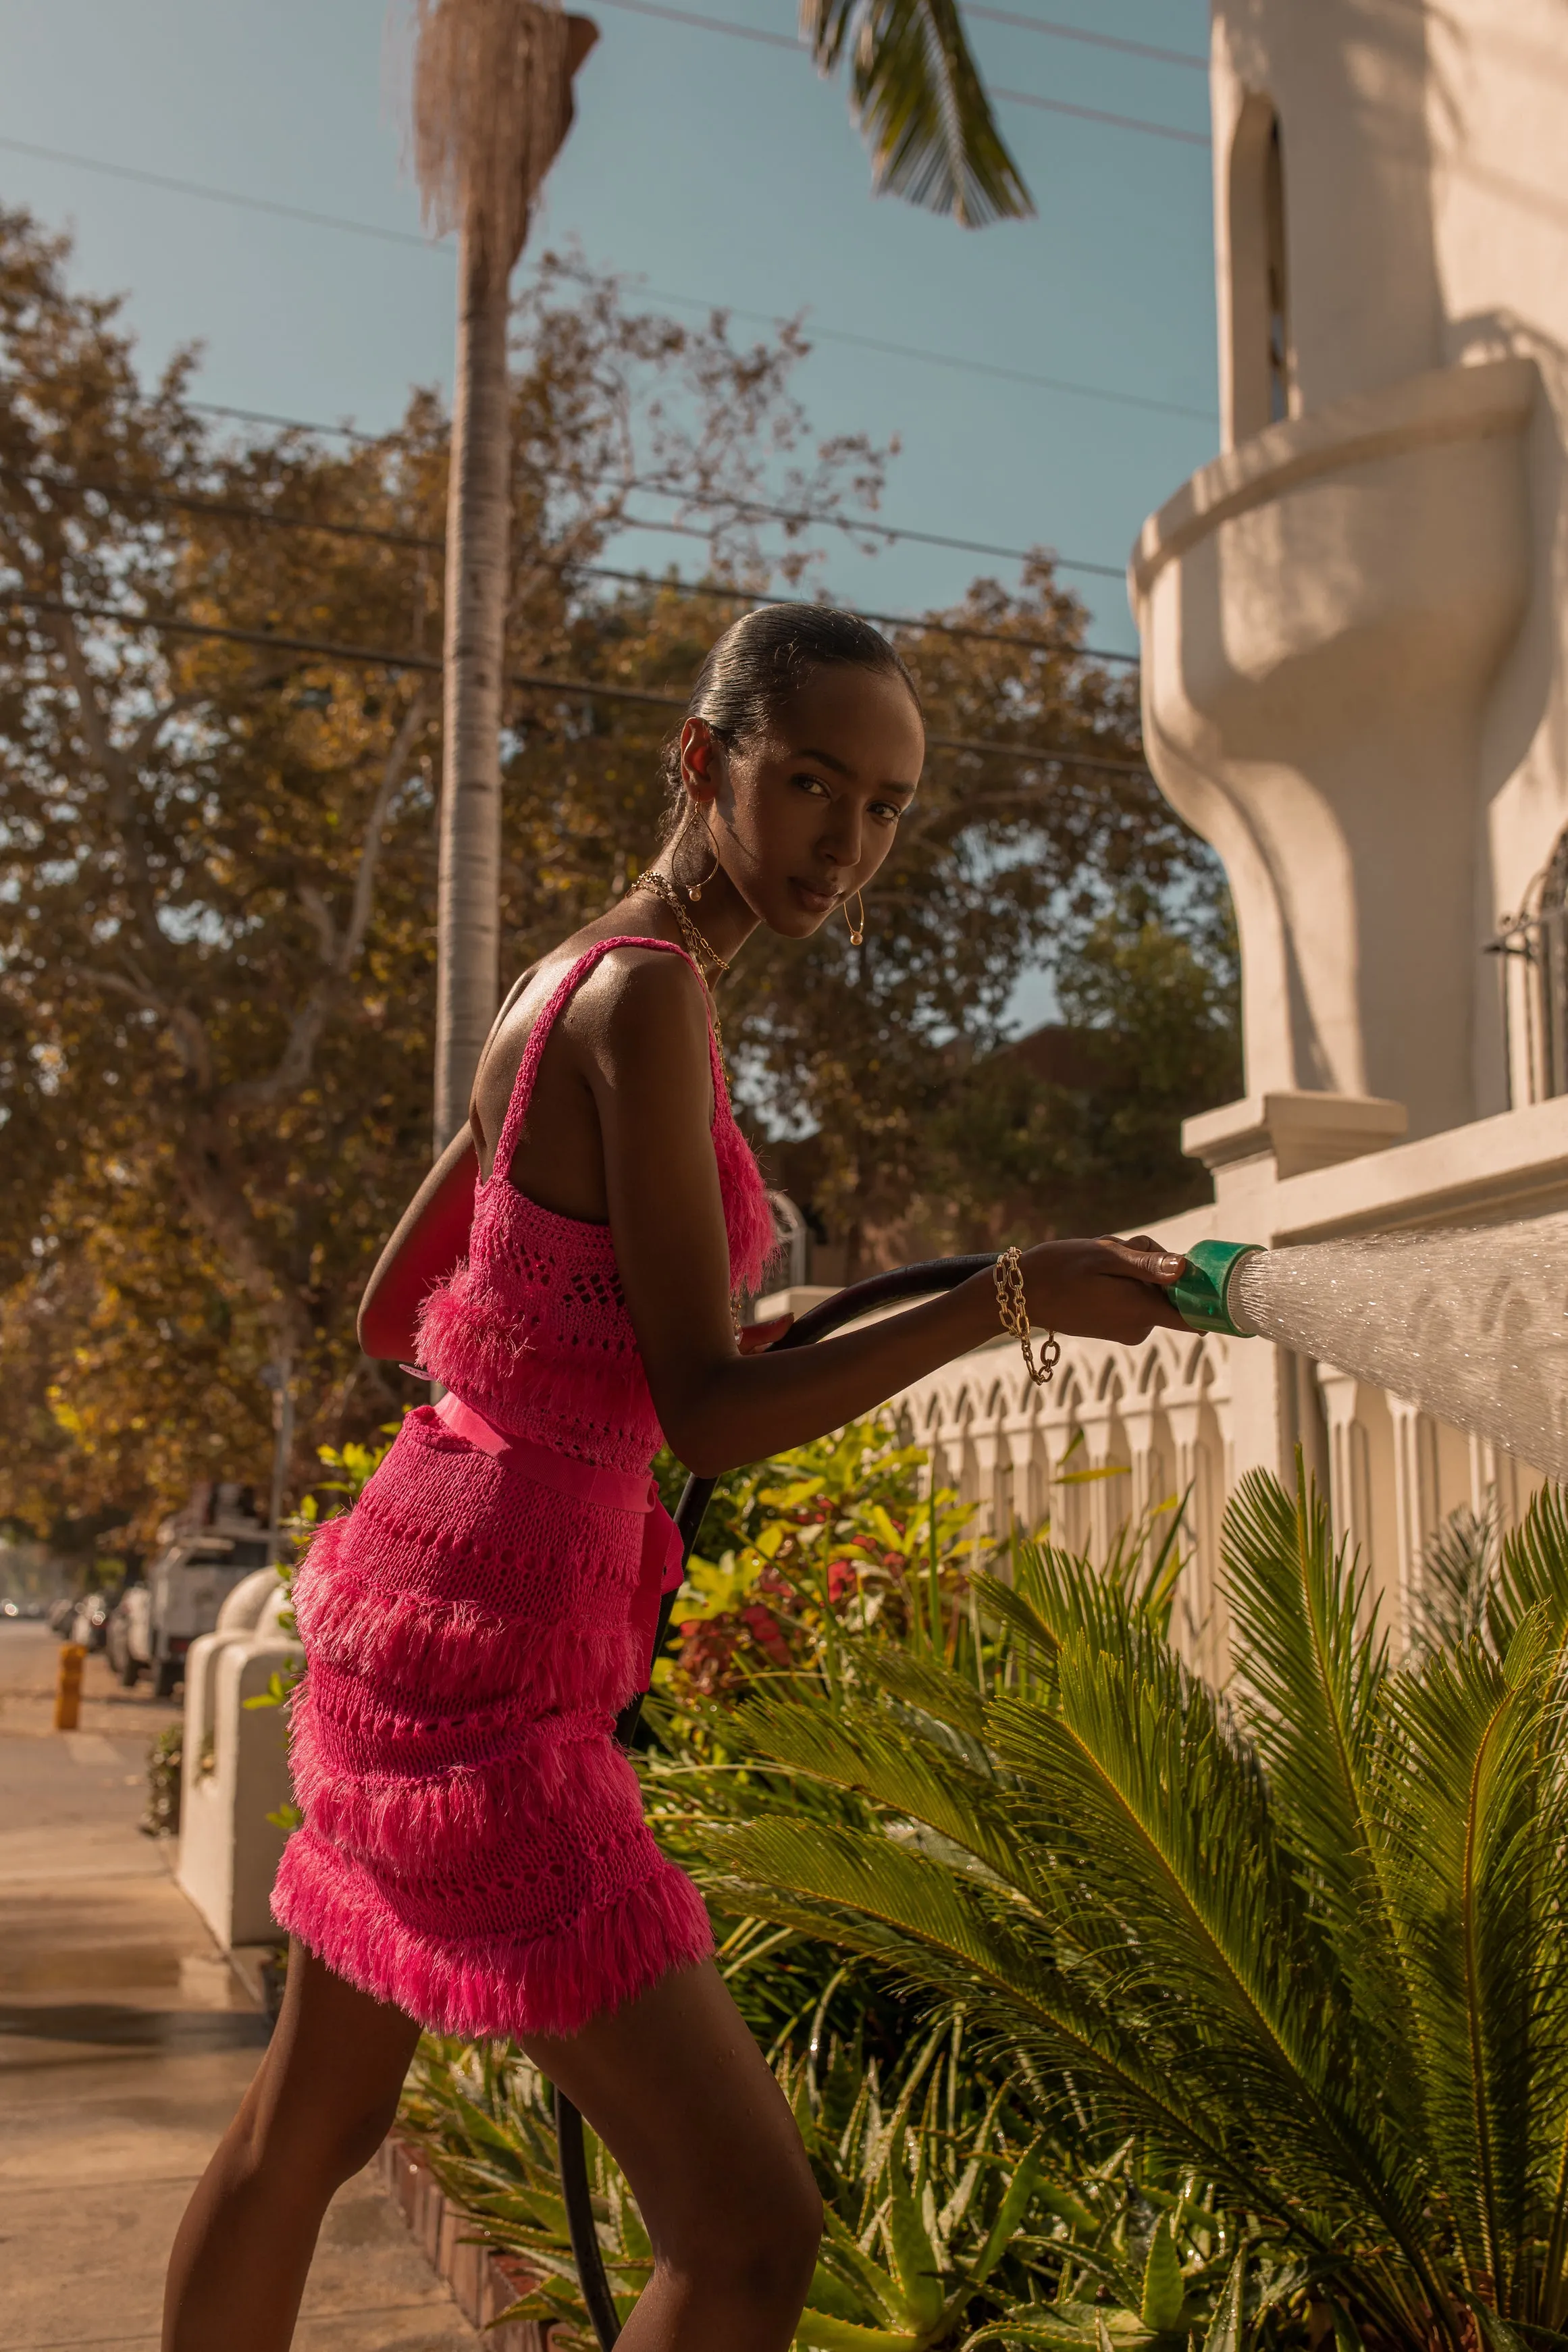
{"x": 662, "y": 1565}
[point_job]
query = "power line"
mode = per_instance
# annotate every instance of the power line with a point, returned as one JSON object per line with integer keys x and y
{"x": 227, "y": 510}
{"x": 1092, "y": 114}
{"x": 525, "y": 681}
{"x": 745, "y": 510}
{"x": 754, "y": 510}
{"x": 884, "y": 619}
{"x": 703, "y": 24}
{"x": 215, "y": 195}
{"x": 1066, "y": 386}
{"x": 1093, "y": 40}
{"x": 996, "y": 369}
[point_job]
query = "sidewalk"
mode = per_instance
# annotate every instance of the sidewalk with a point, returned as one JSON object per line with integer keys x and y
{"x": 125, "y": 2044}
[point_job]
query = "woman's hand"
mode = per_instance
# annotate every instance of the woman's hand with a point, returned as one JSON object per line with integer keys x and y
{"x": 1103, "y": 1289}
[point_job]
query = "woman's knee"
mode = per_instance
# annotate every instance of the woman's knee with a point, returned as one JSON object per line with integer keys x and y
{"x": 756, "y": 2243}
{"x": 315, "y": 2136}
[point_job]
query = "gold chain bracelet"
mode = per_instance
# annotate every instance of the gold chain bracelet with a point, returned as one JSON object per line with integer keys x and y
{"x": 1014, "y": 1309}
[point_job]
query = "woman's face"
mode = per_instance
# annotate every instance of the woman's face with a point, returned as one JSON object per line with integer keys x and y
{"x": 803, "y": 814}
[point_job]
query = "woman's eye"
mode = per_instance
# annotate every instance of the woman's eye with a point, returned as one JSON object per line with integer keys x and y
{"x": 813, "y": 784}
{"x": 888, "y": 811}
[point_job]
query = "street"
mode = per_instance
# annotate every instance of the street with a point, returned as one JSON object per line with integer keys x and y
{"x": 125, "y": 2044}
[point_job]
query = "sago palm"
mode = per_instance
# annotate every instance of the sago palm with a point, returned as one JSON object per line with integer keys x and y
{"x": 1310, "y": 1939}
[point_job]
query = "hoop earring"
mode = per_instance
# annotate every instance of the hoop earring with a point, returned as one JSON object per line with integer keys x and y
{"x": 856, "y": 925}
{"x": 694, "y": 889}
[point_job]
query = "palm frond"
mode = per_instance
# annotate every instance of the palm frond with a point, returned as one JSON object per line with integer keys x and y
{"x": 869, "y": 1895}
{"x": 921, "y": 106}
{"x": 1136, "y": 1780}
{"x": 1458, "y": 1565}
{"x": 1481, "y": 1884}
{"x": 1532, "y": 1576}
{"x": 866, "y": 1749}
{"x": 1312, "y": 1666}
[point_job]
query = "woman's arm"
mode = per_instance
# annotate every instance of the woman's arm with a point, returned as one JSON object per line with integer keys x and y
{"x": 431, "y": 1238}
{"x": 649, "y": 1072}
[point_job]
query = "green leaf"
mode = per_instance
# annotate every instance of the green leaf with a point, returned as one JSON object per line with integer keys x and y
{"x": 1227, "y": 2330}
{"x": 1164, "y": 2290}
{"x": 1021, "y": 2188}
{"x": 915, "y": 2262}
{"x": 820, "y": 2331}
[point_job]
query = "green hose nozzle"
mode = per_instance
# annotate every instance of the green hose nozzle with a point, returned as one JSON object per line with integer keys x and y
{"x": 1202, "y": 1297}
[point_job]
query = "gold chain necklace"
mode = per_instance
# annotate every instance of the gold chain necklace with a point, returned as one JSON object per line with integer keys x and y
{"x": 699, "y": 947}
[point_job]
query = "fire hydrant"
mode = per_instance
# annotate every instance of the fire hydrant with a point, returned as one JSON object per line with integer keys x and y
{"x": 67, "y": 1686}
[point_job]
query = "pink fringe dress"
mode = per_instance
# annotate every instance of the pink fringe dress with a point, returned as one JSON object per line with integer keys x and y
{"x": 473, "y": 1847}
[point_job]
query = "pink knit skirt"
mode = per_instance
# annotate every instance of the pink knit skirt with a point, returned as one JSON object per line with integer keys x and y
{"x": 473, "y": 1849}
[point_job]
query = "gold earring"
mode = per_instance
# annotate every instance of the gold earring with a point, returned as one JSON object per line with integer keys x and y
{"x": 694, "y": 889}
{"x": 856, "y": 928}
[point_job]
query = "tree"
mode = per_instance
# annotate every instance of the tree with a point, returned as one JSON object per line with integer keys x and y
{"x": 492, "y": 103}
{"x": 215, "y": 984}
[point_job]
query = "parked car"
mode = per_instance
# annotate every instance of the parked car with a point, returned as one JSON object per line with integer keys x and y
{"x": 154, "y": 1623}
{"x": 90, "y": 1621}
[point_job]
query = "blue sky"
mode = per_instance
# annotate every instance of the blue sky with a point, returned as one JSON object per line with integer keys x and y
{"x": 714, "y": 168}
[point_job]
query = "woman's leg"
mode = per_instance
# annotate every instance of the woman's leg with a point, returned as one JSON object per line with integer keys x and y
{"x": 677, "y": 2090}
{"x": 322, "y": 2103}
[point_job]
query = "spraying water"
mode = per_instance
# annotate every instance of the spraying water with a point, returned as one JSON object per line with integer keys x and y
{"x": 1471, "y": 1326}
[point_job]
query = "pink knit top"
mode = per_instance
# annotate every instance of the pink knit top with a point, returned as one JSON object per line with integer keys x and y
{"x": 473, "y": 1847}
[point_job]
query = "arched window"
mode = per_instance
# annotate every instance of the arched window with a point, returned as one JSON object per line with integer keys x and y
{"x": 1262, "y": 355}
{"x": 1276, "y": 291}
{"x": 1533, "y": 948}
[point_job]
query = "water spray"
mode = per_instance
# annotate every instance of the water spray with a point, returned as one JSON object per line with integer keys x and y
{"x": 1471, "y": 1326}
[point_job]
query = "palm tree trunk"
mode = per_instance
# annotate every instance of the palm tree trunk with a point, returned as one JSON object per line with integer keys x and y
{"x": 478, "y": 522}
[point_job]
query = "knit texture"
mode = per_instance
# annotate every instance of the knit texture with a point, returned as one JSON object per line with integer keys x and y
{"x": 473, "y": 1849}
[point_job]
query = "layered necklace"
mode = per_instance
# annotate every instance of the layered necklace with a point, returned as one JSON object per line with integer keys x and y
{"x": 701, "y": 950}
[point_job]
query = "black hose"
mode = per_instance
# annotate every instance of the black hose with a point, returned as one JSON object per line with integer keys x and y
{"x": 936, "y": 1274}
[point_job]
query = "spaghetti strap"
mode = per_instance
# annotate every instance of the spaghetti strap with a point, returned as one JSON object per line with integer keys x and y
{"x": 538, "y": 1037}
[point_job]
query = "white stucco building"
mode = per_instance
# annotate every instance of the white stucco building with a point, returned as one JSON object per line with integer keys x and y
{"x": 1354, "y": 626}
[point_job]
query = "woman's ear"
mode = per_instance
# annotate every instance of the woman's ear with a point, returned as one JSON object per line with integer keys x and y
{"x": 701, "y": 761}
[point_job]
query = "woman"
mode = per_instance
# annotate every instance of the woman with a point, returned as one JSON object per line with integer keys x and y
{"x": 474, "y": 1857}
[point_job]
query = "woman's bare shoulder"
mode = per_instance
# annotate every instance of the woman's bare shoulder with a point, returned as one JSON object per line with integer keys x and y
{"x": 636, "y": 999}
{"x": 641, "y": 998}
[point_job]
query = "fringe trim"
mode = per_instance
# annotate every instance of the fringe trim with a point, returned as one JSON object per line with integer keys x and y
{"x": 438, "y": 1651}
{"x": 493, "y": 1985}
{"x": 753, "y": 1238}
{"x": 419, "y": 1823}
{"x": 454, "y": 1324}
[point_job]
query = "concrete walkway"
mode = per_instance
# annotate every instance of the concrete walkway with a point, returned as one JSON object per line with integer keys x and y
{"x": 125, "y": 2044}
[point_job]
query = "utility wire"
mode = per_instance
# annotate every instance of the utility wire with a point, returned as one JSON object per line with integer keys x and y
{"x": 703, "y": 24}
{"x": 224, "y": 510}
{"x": 745, "y": 510}
{"x": 215, "y": 195}
{"x": 1066, "y": 385}
{"x": 754, "y": 510}
{"x": 884, "y": 619}
{"x": 1093, "y": 40}
{"x": 1089, "y": 114}
{"x": 525, "y": 681}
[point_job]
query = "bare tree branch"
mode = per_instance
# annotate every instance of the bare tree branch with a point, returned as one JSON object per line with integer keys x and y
{"x": 340, "y": 955}
{"x": 120, "y": 776}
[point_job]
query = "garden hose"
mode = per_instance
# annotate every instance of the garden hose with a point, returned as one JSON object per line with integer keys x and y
{"x": 905, "y": 1283}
